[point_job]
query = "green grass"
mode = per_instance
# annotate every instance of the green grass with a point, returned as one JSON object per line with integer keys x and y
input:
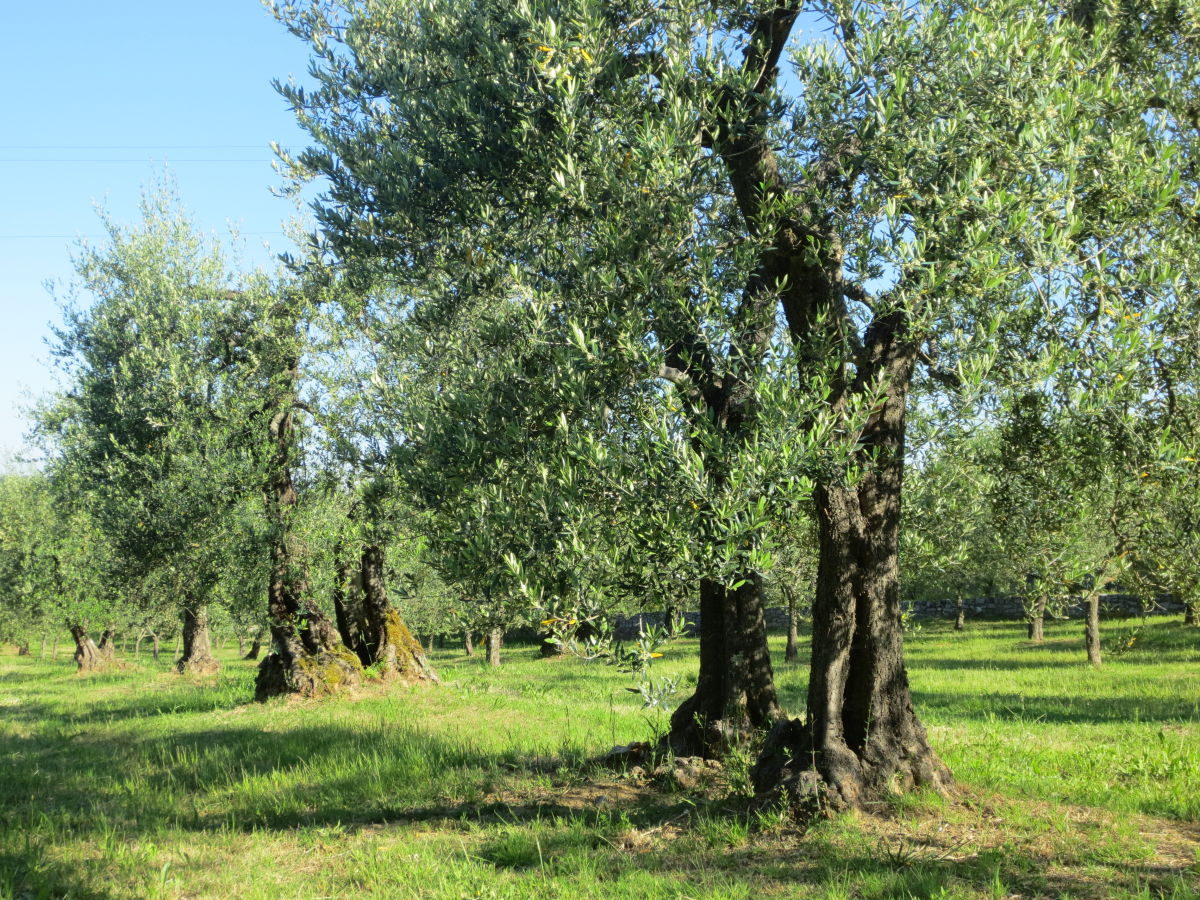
{"x": 1077, "y": 782}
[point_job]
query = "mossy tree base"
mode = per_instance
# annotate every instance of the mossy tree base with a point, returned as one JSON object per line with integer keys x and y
{"x": 309, "y": 675}
{"x": 400, "y": 655}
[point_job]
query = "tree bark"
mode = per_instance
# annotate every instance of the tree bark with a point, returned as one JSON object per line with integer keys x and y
{"x": 197, "y": 658}
{"x": 1190, "y": 612}
{"x": 154, "y": 644}
{"x": 1037, "y": 620}
{"x": 735, "y": 688}
{"x": 385, "y": 641}
{"x": 791, "y": 652}
{"x": 861, "y": 739}
{"x": 42, "y": 650}
{"x": 468, "y": 643}
{"x": 960, "y": 616}
{"x": 108, "y": 644}
{"x": 255, "y": 644}
{"x": 306, "y": 657}
{"x": 492, "y": 639}
{"x": 1092, "y": 627}
{"x": 88, "y": 657}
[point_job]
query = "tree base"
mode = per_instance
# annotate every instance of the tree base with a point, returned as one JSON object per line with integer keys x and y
{"x": 198, "y": 668}
{"x": 309, "y": 675}
{"x": 400, "y": 655}
{"x": 820, "y": 781}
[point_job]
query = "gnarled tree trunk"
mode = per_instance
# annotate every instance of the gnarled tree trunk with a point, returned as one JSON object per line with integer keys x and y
{"x": 306, "y": 657}
{"x": 255, "y": 645}
{"x": 735, "y": 688}
{"x": 960, "y": 615}
{"x": 468, "y": 643}
{"x": 385, "y": 641}
{"x": 87, "y": 655}
{"x": 107, "y": 648}
{"x": 861, "y": 738}
{"x": 197, "y": 658}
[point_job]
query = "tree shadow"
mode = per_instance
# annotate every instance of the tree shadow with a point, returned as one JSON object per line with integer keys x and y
{"x": 1057, "y": 709}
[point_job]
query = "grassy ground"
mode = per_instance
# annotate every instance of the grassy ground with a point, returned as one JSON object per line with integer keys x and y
{"x": 1076, "y": 782}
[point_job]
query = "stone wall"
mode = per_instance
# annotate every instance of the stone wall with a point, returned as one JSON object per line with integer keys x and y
{"x": 1111, "y": 606}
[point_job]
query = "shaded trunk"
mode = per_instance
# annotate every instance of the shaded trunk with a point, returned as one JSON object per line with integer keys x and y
{"x": 1092, "y": 628}
{"x": 1190, "y": 613}
{"x": 23, "y": 648}
{"x": 492, "y": 639}
{"x": 241, "y": 642}
{"x": 197, "y": 658}
{"x": 791, "y": 652}
{"x": 671, "y": 618}
{"x": 108, "y": 644}
{"x": 154, "y": 644}
{"x": 735, "y": 688}
{"x": 960, "y": 616}
{"x": 307, "y": 658}
{"x": 255, "y": 644}
{"x": 87, "y": 655}
{"x": 1037, "y": 620}
{"x": 468, "y": 643}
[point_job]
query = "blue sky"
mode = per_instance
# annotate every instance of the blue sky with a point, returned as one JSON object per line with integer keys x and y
{"x": 101, "y": 97}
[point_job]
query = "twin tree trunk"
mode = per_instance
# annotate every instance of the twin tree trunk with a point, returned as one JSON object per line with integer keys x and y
{"x": 197, "y": 658}
{"x": 88, "y": 657}
{"x": 371, "y": 626}
{"x": 306, "y": 657}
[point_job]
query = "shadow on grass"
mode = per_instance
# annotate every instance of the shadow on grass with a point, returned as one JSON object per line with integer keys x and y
{"x": 1057, "y": 710}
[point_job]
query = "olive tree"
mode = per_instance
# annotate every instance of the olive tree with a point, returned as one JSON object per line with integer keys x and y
{"x": 740, "y": 274}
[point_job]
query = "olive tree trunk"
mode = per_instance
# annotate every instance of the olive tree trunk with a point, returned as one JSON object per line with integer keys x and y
{"x": 1037, "y": 620}
{"x": 492, "y": 639}
{"x": 307, "y": 658}
{"x": 255, "y": 644}
{"x": 861, "y": 738}
{"x": 468, "y": 643}
{"x": 960, "y": 615}
{"x": 735, "y": 688}
{"x": 791, "y": 652}
{"x": 197, "y": 658}
{"x": 88, "y": 657}
{"x": 1091, "y": 632}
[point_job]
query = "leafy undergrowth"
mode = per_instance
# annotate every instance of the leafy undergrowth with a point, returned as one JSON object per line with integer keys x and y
{"x": 140, "y": 783}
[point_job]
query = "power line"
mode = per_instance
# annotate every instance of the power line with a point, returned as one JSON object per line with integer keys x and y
{"x": 22, "y": 237}
{"x": 132, "y": 146}
{"x": 130, "y": 160}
